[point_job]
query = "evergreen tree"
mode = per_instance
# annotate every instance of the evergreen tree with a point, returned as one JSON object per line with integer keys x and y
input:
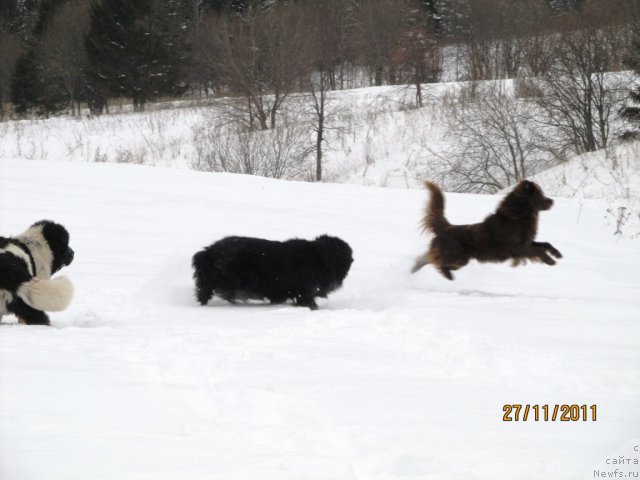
{"x": 430, "y": 8}
{"x": 137, "y": 48}
{"x": 31, "y": 88}
{"x": 453, "y": 17}
{"x": 23, "y": 85}
{"x": 237, "y": 6}
{"x": 18, "y": 16}
{"x": 563, "y": 5}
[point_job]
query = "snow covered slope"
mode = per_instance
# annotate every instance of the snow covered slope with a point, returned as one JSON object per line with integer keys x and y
{"x": 397, "y": 376}
{"x": 611, "y": 175}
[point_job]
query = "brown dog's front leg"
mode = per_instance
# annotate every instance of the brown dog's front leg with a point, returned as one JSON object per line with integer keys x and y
{"x": 548, "y": 247}
{"x": 534, "y": 253}
{"x": 540, "y": 253}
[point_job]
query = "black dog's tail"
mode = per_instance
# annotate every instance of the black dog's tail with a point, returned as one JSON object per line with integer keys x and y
{"x": 434, "y": 220}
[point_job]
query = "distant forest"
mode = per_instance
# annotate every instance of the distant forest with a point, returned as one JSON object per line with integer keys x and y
{"x": 67, "y": 55}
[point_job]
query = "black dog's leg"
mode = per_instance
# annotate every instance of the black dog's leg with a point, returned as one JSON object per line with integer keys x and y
{"x": 205, "y": 280}
{"x": 29, "y": 315}
{"x": 204, "y": 287}
{"x": 548, "y": 247}
{"x": 203, "y": 295}
{"x": 306, "y": 301}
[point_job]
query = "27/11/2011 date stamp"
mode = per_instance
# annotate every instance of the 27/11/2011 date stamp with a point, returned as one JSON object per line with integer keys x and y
{"x": 549, "y": 413}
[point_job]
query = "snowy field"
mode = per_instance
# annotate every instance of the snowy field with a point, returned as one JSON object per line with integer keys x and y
{"x": 397, "y": 376}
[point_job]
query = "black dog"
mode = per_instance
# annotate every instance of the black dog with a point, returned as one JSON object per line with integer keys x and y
{"x": 507, "y": 234}
{"x": 243, "y": 268}
{"x": 26, "y": 265}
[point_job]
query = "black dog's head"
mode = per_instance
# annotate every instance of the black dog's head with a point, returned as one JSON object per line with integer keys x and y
{"x": 524, "y": 200}
{"x": 57, "y": 238}
{"x": 338, "y": 258}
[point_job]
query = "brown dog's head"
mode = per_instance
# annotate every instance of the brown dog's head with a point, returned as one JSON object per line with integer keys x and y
{"x": 524, "y": 200}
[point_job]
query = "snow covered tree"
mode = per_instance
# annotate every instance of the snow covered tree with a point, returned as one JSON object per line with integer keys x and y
{"x": 137, "y": 48}
{"x": 19, "y": 16}
{"x": 563, "y": 5}
{"x": 233, "y": 5}
{"x": 452, "y": 16}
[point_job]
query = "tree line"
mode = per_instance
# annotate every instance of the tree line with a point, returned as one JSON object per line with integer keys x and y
{"x": 64, "y": 54}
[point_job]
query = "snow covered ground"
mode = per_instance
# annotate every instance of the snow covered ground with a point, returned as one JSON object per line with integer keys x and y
{"x": 397, "y": 376}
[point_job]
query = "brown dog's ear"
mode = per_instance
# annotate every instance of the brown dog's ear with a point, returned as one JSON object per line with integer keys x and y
{"x": 515, "y": 205}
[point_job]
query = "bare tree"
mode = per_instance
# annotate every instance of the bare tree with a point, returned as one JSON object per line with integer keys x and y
{"x": 491, "y": 144}
{"x": 379, "y": 26}
{"x": 257, "y": 55}
{"x": 322, "y": 110}
{"x": 326, "y": 48}
{"x": 498, "y": 37}
{"x": 281, "y": 152}
{"x": 579, "y": 94}
{"x": 329, "y": 27}
{"x": 418, "y": 58}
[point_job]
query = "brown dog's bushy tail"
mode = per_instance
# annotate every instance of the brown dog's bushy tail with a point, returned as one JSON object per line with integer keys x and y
{"x": 433, "y": 219}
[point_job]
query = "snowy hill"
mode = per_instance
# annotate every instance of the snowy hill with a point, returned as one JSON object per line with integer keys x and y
{"x": 372, "y": 137}
{"x": 605, "y": 174}
{"x": 611, "y": 175}
{"x": 396, "y": 376}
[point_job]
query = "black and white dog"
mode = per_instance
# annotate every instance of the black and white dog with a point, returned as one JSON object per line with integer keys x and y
{"x": 27, "y": 263}
{"x": 244, "y": 268}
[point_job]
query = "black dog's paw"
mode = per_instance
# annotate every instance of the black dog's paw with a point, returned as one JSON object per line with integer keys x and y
{"x": 306, "y": 302}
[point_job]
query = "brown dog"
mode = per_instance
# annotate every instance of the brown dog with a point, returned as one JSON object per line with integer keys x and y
{"x": 506, "y": 234}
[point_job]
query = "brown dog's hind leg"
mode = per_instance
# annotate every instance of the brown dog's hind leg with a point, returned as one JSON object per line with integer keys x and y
{"x": 446, "y": 271}
{"x": 421, "y": 261}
